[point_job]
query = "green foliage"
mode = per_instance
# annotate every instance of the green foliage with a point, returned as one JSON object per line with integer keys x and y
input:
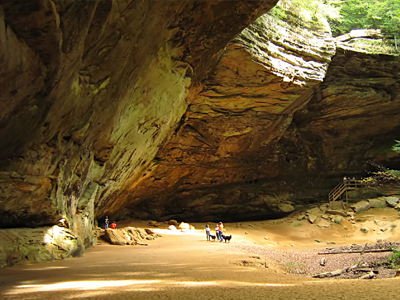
{"x": 297, "y": 224}
{"x": 373, "y": 45}
{"x": 382, "y": 175}
{"x": 306, "y": 10}
{"x": 394, "y": 259}
{"x": 396, "y": 147}
{"x": 278, "y": 12}
{"x": 345, "y": 15}
{"x": 368, "y": 14}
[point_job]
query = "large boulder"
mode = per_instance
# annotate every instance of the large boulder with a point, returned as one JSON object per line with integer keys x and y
{"x": 360, "y": 206}
{"x": 377, "y": 202}
{"x": 336, "y": 212}
{"x": 115, "y": 237}
{"x": 31, "y": 245}
{"x": 392, "y": 201}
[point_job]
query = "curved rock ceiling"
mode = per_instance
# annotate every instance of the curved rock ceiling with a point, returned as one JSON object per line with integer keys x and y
{"x": 151, "y": 106}
{"x": 89, "y": 92}
{"x": 281, "y": 119}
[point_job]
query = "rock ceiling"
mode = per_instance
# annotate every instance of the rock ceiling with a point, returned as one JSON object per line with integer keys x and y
{"x": 90, "y": 90}
{"x": 152, "y": 107}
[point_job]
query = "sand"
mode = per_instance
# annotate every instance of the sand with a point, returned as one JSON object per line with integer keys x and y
{"x": 183, "y": 265}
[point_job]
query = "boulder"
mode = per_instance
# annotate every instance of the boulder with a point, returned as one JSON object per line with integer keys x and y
{"x": 312, "y": 218}
{"x": 286, "y": 208}
{"x": 361, "y": 206}
{"x": 31, "y": 245}
{"x": 154, "y": 223}
{"x": 149, "y": 231}
{"x": 301, "y": 217}
{"x": 324, "y": 207}
{"x": 173, "y": 222}
{"x": 377, "y": 203}
{"x": 136, "y": 233}
{"x": 323, "y": 223}
{"x": 314, "y": 211}
{"x": 115, "y": 237}
{"x": 392, "y": 201}
{"x": 336, "y": 212}
{"x": 380, "y": 223}
{"x": 184, "y": 226}
{"x": 338, "y": 219}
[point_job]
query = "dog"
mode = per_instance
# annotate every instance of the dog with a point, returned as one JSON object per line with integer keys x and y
{"x": 227, "y": 238}
{"x": 212, "y": 236}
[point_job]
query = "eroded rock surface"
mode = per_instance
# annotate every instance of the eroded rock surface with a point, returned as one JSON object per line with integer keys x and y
{"x": 26, "y": 245}
{"x": 90, "y": 90}
{"x": 238, "y": 146}
{"x": 107, "y": 103}
{"x": 283, "y": 117}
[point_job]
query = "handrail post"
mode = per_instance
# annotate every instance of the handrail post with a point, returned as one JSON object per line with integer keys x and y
{"x": 343, "y": 187}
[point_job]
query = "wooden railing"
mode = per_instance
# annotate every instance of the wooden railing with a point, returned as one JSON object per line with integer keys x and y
{"x": 343, "y": 187}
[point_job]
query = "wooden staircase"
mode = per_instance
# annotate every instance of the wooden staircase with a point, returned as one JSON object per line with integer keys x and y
{"x": 341, "y": 188}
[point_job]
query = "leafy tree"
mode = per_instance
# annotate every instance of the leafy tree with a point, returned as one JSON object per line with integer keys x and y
{"x": 384, "y": 174}
{"x": 346, "y": 15}
{"x": 367, "y": 14}
{"x": 396, "y": 147}
{"x": 307, "y": 10}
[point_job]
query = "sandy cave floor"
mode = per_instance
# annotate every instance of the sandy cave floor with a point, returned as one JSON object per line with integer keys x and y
{"x": 262, "y": 261}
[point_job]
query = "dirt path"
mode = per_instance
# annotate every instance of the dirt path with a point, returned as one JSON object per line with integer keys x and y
{"x": 181, "y": 266}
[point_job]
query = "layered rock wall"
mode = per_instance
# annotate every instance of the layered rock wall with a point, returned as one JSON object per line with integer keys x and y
{"x": 352, "y": 118}
{"x": 277, "y": 125}
{"x": 228, "y": 159}
{"x": 90, "y": 90}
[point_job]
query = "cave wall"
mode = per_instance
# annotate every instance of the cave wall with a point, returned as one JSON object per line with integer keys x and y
{"x": 152, "y": 107}
{"x": 353, "y": 116}
{"x": 283, "y": 117}
{"x": 90, "y": 91}
{"x": 237, "y": 153}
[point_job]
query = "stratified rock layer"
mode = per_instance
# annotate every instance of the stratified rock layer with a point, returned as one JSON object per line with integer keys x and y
{"x": 90, "y": 90}
{"x": 274, "y": 129}
{"x": 235, "y": 147}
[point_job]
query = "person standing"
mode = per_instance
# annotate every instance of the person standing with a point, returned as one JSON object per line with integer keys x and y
{"x": 208, "y": 233}
{"x": 106, "y": 223}
{"x": 217, "y": 231}
{"x": 221, "y": 231}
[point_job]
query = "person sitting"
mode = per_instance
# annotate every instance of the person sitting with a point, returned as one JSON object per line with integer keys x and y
{"x": 113, "y": 225}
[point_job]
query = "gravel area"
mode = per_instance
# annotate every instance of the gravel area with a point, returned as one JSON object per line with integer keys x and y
{"x": 308, "y": 262}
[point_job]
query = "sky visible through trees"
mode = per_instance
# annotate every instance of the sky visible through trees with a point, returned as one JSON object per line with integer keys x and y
{"x": 346, "y": 15}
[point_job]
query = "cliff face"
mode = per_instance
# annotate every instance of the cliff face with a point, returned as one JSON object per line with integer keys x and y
{"x": 237, "y": 152}
{"x": 146, "y": 104}
{"x": 274, "y": 129}
{"x": 90, "y": 90}
{"x": 352, "y": 117}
